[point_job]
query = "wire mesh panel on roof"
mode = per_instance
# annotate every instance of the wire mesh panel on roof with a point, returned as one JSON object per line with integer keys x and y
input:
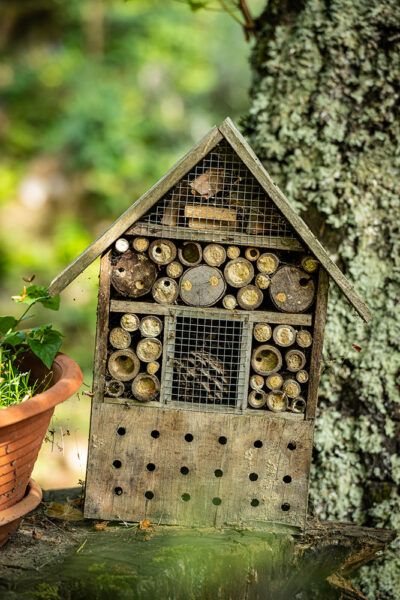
{"x": 219, "y": 197}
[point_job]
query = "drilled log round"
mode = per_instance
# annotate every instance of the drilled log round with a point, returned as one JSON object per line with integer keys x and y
{"x": 229, "y": 302}
{"x": 165, "y": 290}
{"x": 262, "y": 281}
{"x": 162, "y": 252}
{"x": 233, "y": 252}
{"x": 202, "y": 286}
{"x": 151, "y": 326}
{"x": 274, "y": 381}
{"x": 190, "y": 254}
{"x": 214, "y": 255}
{"x": 257, "y": 399}
{"x": 145, "y": 387}
{"x": 114, "y": 388}
{"x": 291, "y": 388}
{"x": 174, "y": 269}
{"x": 153, "y": 367}
{"x": 252, "y": 254}
{"x": 262, "y": 332}
{"x": 304, "y": 338}
{"x": 250, "y": 297}
{"x": 133, "y": 275}
{"x": 266, "y": 359}
{"x": 295, "y": 360}
{"x": 309, "y": 264}
{"x": 267, "y": 263}
{"x": 256, "y": 382}
{"x": 140, "y": 244}
{"x": 297, "y": 405}
{"x": 149, "y": 349}
{"x": 302, "y": 376}
{"x": 123, "y": 365}
{"x": 130, "y": 322}
{"x": 277, "y": 401}
{"x": 119, "y": 338}
{"x": 292, "y": 290}
{"x": 121, "y": 245}
{"x": 239, "y": 272}
{"x": 284, "y": 335}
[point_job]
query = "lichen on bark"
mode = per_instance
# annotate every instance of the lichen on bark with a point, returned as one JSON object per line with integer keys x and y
{"x": 324, "y": 120}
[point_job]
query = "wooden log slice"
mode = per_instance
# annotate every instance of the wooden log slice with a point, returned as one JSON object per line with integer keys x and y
{"x": 262, "y": 332}
{"x": 233, "y": 252}
{"x": 130, "y": 322}
{"x": 190, "y": 254}
{"x": 284, "y": 335}
{"x": 162, "y": 252}
{"x": 266, "y": 359}
{"x": 257, "y": 399}
{"x": 149, "y": 349}
{"x": 277, "y": 401}
{"x": 122, "y": 245}
{"x": 295, "y": 360}
{"x": 119, "y": 338}
{"x": 256, "y": 382}
{"x": 267, "y": 263}
{"x": 123, "y": 365}
{"x": 145, "y": 387}
{"x": 274, "y": 381}
{"x": 174, "y": 269}
{"x": 304, "y": 338}
{"x": 151, "y": 326}
{"x": 262, "y": 281}
{"x": 302, "y": 376}
{"x": 250, "y": 297}
{"x": 252, "y": 254}
{"x": 291, "y": 388}
{"x": 140, "y": 244}
{"x": 202, "y": 286}
{"x": 214, "y": 255}
{"x": 292, "y": 290}
{"x": 114, "y": 388}
{"x": 133, "y": 275}
{"x": 165, "y": 290}
{"x": 297, "y": 405}
{"x": 229, "y": 302}
{"x": 239, "y": 272}
{"x": 153, "y": 367}
{"x": 309, "y": 264}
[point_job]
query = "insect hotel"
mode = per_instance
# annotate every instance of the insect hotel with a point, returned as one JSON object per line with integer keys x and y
{"x": 211, "y": 316}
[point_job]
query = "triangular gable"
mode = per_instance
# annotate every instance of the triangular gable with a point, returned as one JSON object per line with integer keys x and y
{"x": 273, "y": 218}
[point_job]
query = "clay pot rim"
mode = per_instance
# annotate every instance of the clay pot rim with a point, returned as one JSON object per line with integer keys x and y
{"x": 28, "y": 503}
{"x": 68, "y": 378}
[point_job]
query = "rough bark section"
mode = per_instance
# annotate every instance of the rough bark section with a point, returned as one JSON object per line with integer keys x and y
{"x": 324, "y": 120}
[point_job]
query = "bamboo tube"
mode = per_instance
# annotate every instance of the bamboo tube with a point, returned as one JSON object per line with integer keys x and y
{"x": 165, "y": 290}
{"x": 302, "y": 376}
{"x": 121, "y": 245}
{"x": 295, "y": 360}
{"x": 291, "y": 388}
{"x": 140, "y": 244}
{"x": 153, "y": 367}
{"x": 262, "y": 332}
{"x": 304, "y": 338}
{"x": 252, "y": 253}
{"x": 262, "y": 281}
{"x": 239, "y": 272}
{"x": 214, "y": 255}
{"x": 309, "y": 264}
{"x": 123, "y": 365}
{"x": 229, "y": 302}
{"x": 256, "y": 382}
{"x": 298, "y": 405}
{"x": 277, "y": 401}
{"x": 267, "y": 263}
{"x": 257, "y": 399}
{"x": 162, "y": 252}
{"x": 274, "y": 381}
{"x": 284, "y": 335}
{"x": 151, "y": 326}
{"x": 119, "y": 338}
{"x": 250, "y": 297}
{"x": 233, "y": 252}
{"x": 145, "y": 387}
{"x": 130, "y": 322}
{"x": 174, "y": 269}
{"x": 190, "y": 254}
{"x": 266, "y": 359}
{"x": 114, "y": 388}
{"x": 149, "y": 349}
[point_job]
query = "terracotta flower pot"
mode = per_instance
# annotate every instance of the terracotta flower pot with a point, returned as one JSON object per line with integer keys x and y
{"x": 10, "y": 518}
{"x": 23, "y": 426}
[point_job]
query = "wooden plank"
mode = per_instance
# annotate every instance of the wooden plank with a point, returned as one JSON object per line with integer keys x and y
{"x": 245, "y": 152}
{"x": 103, "y": 309}
{"x": 210, "y": 213}
{"x": 130, "y": 306}
{"x": 190, "y": 499}
{"x": 135, "y": 211}
{"x": 318, "y": 341}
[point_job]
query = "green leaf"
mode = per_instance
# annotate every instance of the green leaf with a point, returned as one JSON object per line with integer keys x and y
{"x": 7, "y": 323}
{"x": 38, "y": 293}
{"x": 47, "y": 347}
{"x": 14, "y": 338}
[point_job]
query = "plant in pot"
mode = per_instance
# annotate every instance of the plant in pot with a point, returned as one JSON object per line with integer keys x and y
{"x": 34, "y": 378}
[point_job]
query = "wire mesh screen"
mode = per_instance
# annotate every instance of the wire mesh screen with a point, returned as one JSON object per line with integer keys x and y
{"x": 218, "y": 196}
{"x": 205, "y": 359}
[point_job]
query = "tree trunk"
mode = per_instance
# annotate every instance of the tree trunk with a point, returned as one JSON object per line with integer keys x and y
{"x": 324, "y": 120}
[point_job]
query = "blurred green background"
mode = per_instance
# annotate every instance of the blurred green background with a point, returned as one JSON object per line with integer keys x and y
{"x": 97, "y": 100}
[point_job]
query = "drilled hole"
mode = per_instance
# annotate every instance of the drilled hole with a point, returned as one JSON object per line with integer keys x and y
{"x": 291, "y": 446}
{"x": 285, "y": 507}
{"x": 255, "y": 502}
{"x": 185, "y": 497}
{"x": 151, "y": 467}
{"x": 287, "y": 479}
{"x": 222, "y": 439}
{"x": 121, "y": 431}
{"x": 184, "y": 470}
{"x": 218, "y": 473}
{"x": 118, "y": 491}
{"x": 117, "y": 464}
{"x": 167, "y": 283}
{"x": 253, "y": 252}
{"x": 157, "y": 250}
{"x": 216, "y": 501}
{"x": 258, "y": 444}
{"x": 121, "y": 270}
{"x": 155, "y": 434}
{"x": 189, "y": 437}
{"x": 303, "y": 281}
{"x": 253, "y": 476}
{"x": 149, "y": 495}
